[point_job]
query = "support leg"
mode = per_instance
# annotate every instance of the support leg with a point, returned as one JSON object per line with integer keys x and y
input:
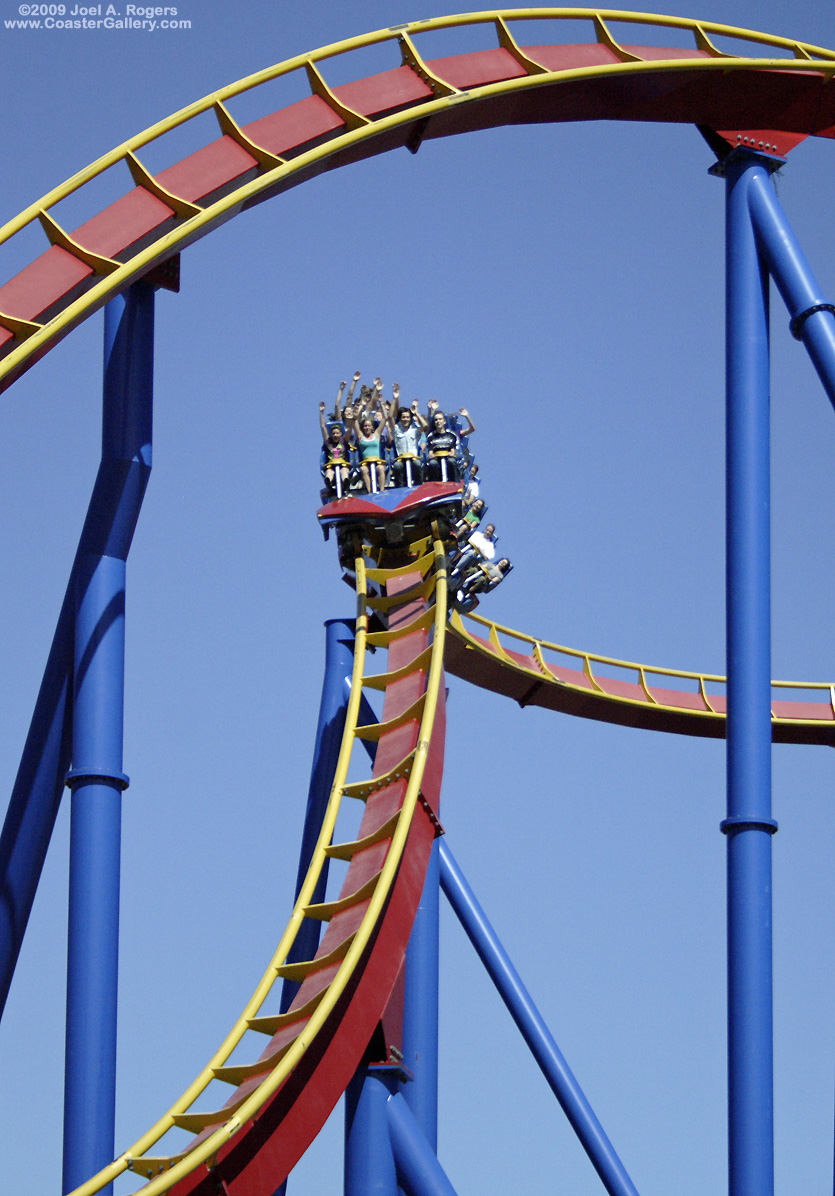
{"x": 96, "y": 778}
{"x": 749, "y": 825}
{"x": 339, "y": 661}
{"x": 533, "y": 1029}
{"x": 369, "y": 1160}
{"x": 811, "y": 314}
{"x": 420, "y": 1007}
{"x": 418, "y": 1171}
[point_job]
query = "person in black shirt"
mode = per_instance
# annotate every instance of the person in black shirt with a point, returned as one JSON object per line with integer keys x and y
{"x": 442, "y": 442}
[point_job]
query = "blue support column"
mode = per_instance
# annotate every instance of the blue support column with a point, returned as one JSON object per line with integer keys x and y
{"x": 420, "y": 1007}
{"x": 336, "y": 689}
{"x": 369, "y": 1160}
{"x": 384, "y": 1144}
{"x": 108, "y": 526}
{"x": 339, "y": 663}
{"x": 96, "y": 779}
{"x": 749, "y": 825}
{"x": 533, "y": 1029}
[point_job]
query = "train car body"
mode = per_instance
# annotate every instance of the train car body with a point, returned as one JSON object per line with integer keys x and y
{"x": 390, "y": 514}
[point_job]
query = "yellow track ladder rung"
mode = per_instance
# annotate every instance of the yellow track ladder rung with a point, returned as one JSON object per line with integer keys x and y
{"x": 364, "y": 789}
{"x": 300, "y": 971}
{"x": 21, "y": 328}
{"x": 495, "y": 642}
{"x": 423, "y": 564}
{"x": 143, "y": 178}
{"x": 646, "y": 689}
{"x": 58, "y": 236}
{"x": 385, "y": 602}
{"x": 703, "y": 42}
{"x": 419, "y": 547}
{"x": 413, "y": 59}
{"x": 195, "y": 1123}
{"x": 509, "y": 43}
{"x": 374, "y": 731}
{"x": 237, "y": 1073}
{"x": 590, "y": 675}
{"x": 543, "y": 664}
{"x": 606, "y": 39}
{"x": 232, "y": 129}
{"x": 325, "y": 910}
{"x": 381, "y": 680}
{"x": 352, "y": 119}
{"x": 151, "y": 1165}
{"x": 382, "y": 639}
{"x": 272, "y": 1023}
{"x": 705, "y": 698}
{"x": 347, "y": 851}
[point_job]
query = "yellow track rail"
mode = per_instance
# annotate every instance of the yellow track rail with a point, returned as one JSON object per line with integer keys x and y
{"x": 652, "y": 702}
{"x": 274, "y": 173}
{"x": 165, "y": 1170}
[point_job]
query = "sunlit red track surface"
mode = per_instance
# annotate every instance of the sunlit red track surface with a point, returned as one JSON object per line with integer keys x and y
{"x": 534, "y": 672}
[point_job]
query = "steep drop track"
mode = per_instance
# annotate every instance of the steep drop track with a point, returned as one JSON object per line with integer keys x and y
{"x": 281, "y": 1097}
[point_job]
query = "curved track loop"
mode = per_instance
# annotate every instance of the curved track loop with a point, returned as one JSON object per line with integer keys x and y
{"x": 281, "y": 1099}
{"x": 772, "y": 102}
{"x": 537, "y": 673}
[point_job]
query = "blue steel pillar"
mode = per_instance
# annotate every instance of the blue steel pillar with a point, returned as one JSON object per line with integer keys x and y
{"x": 369, "y": 1158}
{"x": 749, "y": 825}
{"x": 96, "y": 778}
{"x": 339, "y": 664}
{"x": 369, "y": 1161}
{"x": 420, "y": 1006}
{"x": 336, "y": 689}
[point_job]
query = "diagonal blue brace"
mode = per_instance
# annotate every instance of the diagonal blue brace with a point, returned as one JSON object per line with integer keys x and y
{"x": 533, "y": 1029}
{"x": 386, "y": 1150}
{"x": 811, "y": 314}
{"x": 418, "y": 1171}
{"x": 36, "y": 795}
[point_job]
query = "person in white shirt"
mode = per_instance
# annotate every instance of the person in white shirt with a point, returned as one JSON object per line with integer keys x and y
{"x": 481, "y": 546}
{"x": 405, "y": 427}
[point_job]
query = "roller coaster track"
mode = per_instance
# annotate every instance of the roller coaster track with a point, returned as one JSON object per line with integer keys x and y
{"x": 535, "y": 672}
{"x": 771, "y": 102}
{"x": 281, "y": 1099}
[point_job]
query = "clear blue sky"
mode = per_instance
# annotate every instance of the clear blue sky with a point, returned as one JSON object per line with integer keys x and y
{"x": 566, "y": 285}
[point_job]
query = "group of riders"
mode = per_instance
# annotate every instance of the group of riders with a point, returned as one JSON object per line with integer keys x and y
{"x": 373, "y": 444}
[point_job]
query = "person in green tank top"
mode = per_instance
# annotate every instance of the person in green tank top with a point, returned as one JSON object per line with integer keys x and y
{"x": 368, "y": 442}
